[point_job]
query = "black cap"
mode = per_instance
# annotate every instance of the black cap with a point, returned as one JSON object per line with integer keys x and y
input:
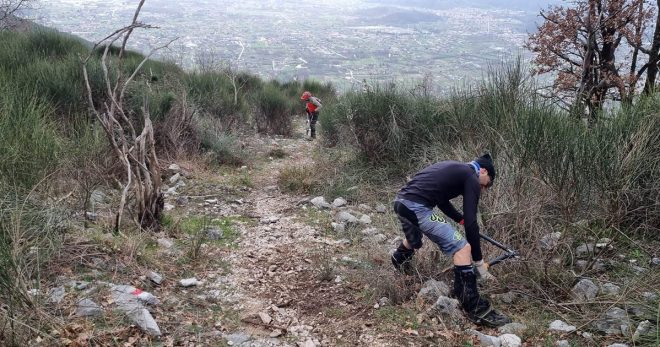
{"x": 486, "y": 162}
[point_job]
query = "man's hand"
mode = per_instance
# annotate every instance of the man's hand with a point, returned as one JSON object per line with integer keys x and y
{"x": 482, "y": 267}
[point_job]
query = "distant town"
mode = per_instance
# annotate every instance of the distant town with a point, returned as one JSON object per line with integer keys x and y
{"x": 344, "y": 42}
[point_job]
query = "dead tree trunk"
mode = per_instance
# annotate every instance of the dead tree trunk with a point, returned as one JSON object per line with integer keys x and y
{"x": 136, "y": 152}
{"x": 654, "y": 56}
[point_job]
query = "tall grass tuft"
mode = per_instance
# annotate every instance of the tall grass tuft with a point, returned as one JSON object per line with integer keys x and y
{"x": 29, "y": 143}
{"x": 29, "y": 233}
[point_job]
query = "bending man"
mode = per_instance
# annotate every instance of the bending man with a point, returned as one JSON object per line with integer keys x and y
{"x": 312, "y": 107}
{"x": 435, "y": 186}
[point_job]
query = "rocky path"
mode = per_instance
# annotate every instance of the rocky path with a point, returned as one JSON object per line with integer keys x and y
{"x": 269, "y": 260}
{"x": 243, "y": 263}
{"x": 275, "y": 275}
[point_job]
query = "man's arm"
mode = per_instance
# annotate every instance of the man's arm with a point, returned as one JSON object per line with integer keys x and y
{"x": 470, "y": 204}
{"x": 448, "y": 209}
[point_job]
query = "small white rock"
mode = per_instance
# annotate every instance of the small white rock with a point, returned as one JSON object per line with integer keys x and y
{"x": 189, "y": 282}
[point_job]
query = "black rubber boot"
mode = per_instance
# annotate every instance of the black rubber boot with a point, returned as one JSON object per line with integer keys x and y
{"x": 478, "y": 309}
{"x": 402, "y": 259}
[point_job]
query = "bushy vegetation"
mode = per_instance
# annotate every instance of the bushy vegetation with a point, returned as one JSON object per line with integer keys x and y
{"x": 51, "y": 141}
{"x": 554, "y": 170}
{"x": 556, "y": 173}
{"x": 601, "y": 171}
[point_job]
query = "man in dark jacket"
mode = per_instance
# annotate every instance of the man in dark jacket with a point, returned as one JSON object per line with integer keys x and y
{"x": 435, "y": 186}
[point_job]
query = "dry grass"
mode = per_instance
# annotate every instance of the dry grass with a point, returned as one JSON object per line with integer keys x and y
{"x": 301, "y": 179}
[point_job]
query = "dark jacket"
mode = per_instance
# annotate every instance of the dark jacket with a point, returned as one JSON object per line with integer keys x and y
{"x": 437, "y": 184}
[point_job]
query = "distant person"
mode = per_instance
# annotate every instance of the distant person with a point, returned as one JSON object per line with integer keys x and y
{"x": 312, "y": 107}
{"x": 435, "y": 186}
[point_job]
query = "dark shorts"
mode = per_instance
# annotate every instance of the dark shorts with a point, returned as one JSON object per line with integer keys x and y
{"x": 417, "y": 220}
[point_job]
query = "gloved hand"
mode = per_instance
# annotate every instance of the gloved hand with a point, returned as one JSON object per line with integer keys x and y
{"x": 482, "y": 268}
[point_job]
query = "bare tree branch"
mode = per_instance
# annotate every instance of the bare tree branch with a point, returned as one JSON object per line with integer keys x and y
{"x": 136, "y": 152}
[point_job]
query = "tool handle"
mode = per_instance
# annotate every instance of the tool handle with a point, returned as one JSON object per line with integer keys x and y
{"x": 502, "y": 258}
{"x": 497, "y": 244}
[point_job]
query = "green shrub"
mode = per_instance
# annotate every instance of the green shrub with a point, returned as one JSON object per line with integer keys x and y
{"x": 273, "y": 111}
{"x": 222, "y": 145}
{"x": 385, "y": 124}
{"x": 213, "y": 92}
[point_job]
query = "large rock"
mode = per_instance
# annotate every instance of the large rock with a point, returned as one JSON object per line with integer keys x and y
{"x": 561, "y": 326}
{"x": 584, "y": 290}
{"x": 550, "y": 241}
{"x": 135, "y": 311}
{"x": 138, "y": 294}
{"x": 338, "y": 227}
{"x": 175, "y": 178}
{"x": 644, "y": 328}
{"x": 380, "y": 208}
{"x": 346, "y": 218}
{"x": 155, "y": 277}
{"x": 615, "y": 322}
{"x": 189, "y": 282}
{"x": 650, "y": 296}
{"x": 339, "y": 202}
{"x": 320, "y": 202}
{"x": 610, "y": 289}
{"x": 486, "y": 340}
{"x": 237, "y": 339}
{"x": 432, "y": 290}
{"x": 56, "y": 295}
{"x": 513, "y": 328}
{"x": 446, "y": 308}
{"x": 584, "y": 250}
{"x": 88, "y": 308}
{"x": 173, "y": 169}
{"x": 510, "y": 340}
{"x": 365, "y": 219}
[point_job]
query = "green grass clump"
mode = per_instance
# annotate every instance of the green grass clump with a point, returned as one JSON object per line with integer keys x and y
{"x": 29, "y": 143}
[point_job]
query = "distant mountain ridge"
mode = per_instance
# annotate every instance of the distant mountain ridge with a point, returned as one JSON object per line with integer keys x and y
{"x": 395, "y": 16}
{"x": 524, "y": 5}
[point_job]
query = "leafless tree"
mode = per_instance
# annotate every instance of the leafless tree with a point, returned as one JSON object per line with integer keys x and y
{"x": 135, "y": 151}
{"x": 581, "y": 43}
{"x": 209, "y": 61}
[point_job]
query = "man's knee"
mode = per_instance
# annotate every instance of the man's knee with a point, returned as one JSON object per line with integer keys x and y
{"x": 465, "y": 250}
{"x": 463, "y": 256}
